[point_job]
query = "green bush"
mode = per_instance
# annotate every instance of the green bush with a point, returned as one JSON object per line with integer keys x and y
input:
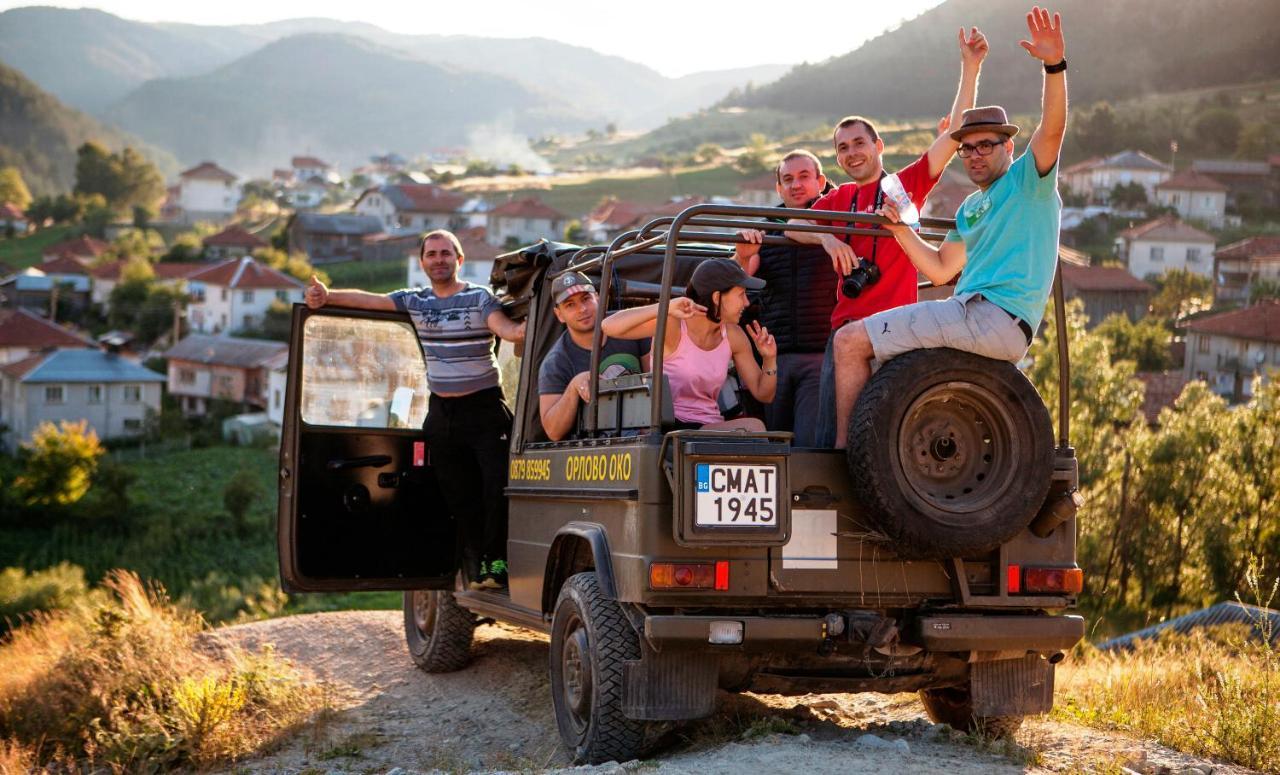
{"x": 23, "y": 593}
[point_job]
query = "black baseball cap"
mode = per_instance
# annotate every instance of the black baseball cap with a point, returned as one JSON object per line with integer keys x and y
{"x": 721, "y": 274}
{"x": 572, "y": 283}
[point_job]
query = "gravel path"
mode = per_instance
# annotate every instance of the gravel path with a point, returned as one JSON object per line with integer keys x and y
{"x": 496, "y": 716}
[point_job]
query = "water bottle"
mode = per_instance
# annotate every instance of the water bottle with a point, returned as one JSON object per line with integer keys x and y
{"x": 894, "y": 192}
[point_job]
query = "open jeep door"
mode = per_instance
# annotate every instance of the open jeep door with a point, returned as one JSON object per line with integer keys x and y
{"x": 359, "y": 507}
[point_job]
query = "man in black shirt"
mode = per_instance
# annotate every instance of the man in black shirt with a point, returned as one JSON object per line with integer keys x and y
{"x": 563, "y": 378}
{"x": 796, "y": 302}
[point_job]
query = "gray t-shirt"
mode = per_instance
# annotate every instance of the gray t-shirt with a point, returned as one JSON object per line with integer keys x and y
{"x": 455, "y": 336}
{"x": 567, "y": 360}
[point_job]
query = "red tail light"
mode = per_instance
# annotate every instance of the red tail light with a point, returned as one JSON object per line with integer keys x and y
{"x": 1014, "y": 579}
{"x": 1053, "y": 580}
{"x": 686, "y": 575}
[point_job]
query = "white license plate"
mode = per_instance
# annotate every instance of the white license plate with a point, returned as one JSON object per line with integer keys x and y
{"x": 735, "y": 495}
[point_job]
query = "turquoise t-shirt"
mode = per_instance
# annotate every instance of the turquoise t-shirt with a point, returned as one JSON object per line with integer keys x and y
{"x": 1010, "y": 234}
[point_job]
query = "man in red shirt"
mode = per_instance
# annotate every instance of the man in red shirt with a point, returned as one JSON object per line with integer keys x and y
{"x": 858, "y": 152}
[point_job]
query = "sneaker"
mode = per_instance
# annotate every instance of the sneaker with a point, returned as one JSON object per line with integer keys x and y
{"x": 477, "y": 581}
{"x": 496, "y": 577}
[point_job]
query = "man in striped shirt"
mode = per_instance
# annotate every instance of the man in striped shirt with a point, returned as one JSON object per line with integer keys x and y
{"x": 468, "y": 425}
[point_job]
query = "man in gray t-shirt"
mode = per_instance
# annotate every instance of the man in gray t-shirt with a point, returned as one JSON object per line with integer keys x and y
{"x": 468, "y": 425}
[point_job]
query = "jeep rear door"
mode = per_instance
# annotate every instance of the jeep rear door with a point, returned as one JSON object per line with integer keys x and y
{"x": 359, "y": 506}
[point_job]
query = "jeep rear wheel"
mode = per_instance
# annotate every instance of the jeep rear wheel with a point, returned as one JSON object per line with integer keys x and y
{"x": 590, "y": 641}
{"x": 437, "y": 630}
{"x": 951, "y": 453}
{"x": 952, "y": 706}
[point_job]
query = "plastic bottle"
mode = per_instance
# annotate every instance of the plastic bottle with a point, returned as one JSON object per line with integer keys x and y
{"x": 895, "y": 193}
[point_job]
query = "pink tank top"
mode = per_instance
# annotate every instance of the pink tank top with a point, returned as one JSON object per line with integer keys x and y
{"x": 696, "y": 377}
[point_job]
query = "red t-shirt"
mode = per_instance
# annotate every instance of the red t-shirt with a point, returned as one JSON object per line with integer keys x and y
{"x": 897, "y": 285}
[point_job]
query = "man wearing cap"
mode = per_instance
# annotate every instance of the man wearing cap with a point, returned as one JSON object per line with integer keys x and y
{"x": 797, "y": 301}
{"x": 468, "y": 425}
{"x": 564, "y": 377}
{"x": 1005, "y": 241}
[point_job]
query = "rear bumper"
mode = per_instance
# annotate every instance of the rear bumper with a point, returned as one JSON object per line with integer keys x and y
{"x": 956, "y": 632}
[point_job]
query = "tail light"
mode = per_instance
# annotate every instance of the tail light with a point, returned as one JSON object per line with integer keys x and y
{"x": 689, "y": 575}
{"x": 1060, "y": 581}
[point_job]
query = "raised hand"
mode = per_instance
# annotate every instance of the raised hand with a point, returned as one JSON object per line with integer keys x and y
{"x": 316, "y": 294}
{"x": 753, "y": 236}
{"x": 973, "y": 47}
{"x": 1046, "y": 42}
{"x": 766, "y": 345}
{"x": 683, "y": 308}
{"x": 944, "y": 124}
{"x": 842, "y": 256}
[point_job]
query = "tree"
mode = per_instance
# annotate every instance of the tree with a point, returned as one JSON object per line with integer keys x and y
{"x": 1145, "y": 342}
{"x": 58, "y": 464}
{"x": 134, "y": 242}
{"x": 574, "y": 233}
{"x": 1263, "y": 289}
{"x": 240, "y": 493}
{"x": 1218, "y": 128}
{"x": 124, "y": 179}
{"x": 755, "y": 159}
{"x": 1180, "y": 292}
{"x": 186, "y": 247}
{"x": 1257, "y": 140}
{"x": 13, "y": 188}
{"x": 295, "y": 265}
{"x": 1096, "y": 131}
{"x": 707, "y": 153}
{"x": 1128, "y": 196}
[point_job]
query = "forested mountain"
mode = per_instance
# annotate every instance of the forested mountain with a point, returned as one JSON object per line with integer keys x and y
{"x": 1116, "y": 49}
{"x": 39, "y": 135}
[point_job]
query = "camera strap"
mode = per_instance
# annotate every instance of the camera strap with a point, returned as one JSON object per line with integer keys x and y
{"x": 853, "y": 208}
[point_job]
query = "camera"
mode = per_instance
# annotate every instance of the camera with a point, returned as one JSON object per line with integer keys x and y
{"x": 856, "y": 281}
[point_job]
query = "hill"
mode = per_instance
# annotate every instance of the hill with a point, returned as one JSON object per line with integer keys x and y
{"x": 1116, "y": 50}
{"x": 91, "y": 59}
{"x": 39, "y": 135}
{"x": 331, "y": 95}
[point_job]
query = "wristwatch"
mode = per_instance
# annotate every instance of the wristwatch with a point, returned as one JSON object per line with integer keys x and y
{"x": 1056, "y": 68}
{"x": 770, "y": 372}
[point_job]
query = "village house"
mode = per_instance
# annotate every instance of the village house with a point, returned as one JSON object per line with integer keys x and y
{"x": 12, "y": 218}
{"x": 328, "y": 237}
{"x": 227, "y": 368}
{"x": 1229, "y": 349}
{"x": 412, "y": 207}
{"x": 305, "y": 168}
{"x": 759, "y": 191}
{"x": 525, "y": 221}
{"x": 1239, "y": 265}
{"x": 311, "y": 193}
{"x": 232, "y": 242}
{"x": 1249, "y": 183}
{"x": 84, "y": 248}
{"x": 1104, "y": 290}
{"x": 1094, "y": 178}
{"x": 612, "y": 217}
{"x": 67, "y": 288}
{"x": 206, "y": 192}
{"x": 277, "y": 368}
{"x": 1155, "y": 247}
{"x": 24, "y": 333}
{"x": 109, "y": 391}
{"x": 105, "y": 278}
{"x": 1195, "y": 197}
{"x": 236, "y": 295}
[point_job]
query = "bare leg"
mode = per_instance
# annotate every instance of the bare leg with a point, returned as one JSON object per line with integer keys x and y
{"x": 853, "y": 356}
{"x": 749, "y": 424}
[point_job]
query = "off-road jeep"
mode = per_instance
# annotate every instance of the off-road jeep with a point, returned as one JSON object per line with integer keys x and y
{"x": 935, "y": 556}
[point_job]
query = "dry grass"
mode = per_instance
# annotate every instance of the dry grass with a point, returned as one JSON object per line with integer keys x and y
{"x": 120, "y": 683}
{"x": 1214, "y": 693}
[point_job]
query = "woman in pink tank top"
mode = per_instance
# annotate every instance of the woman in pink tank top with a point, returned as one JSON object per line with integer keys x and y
{"x": 702, "y": 336}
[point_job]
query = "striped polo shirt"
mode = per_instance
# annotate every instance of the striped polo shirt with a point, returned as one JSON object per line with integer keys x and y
{"x": 455, "y": 336}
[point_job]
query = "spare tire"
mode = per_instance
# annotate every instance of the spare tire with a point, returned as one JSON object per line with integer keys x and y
{"x": 950, "y": 453}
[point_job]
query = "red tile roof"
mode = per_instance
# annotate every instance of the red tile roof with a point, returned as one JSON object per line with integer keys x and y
{"x": 209, "y": 171}
{"x": 1259, "y": 323}
{"x": 1162, "y": 390}
{"x": 20, "y": 328}
{"x": 84, "y": 246}
{"x": 425, "y": 198}
{"x": 11, "y": 212}
{"x": 307, "y": 161}
{"x": 1188, "y": 180}
{"x": 244, "y": 273}
{"x": 64, "y": 264}
{"x": 234, "y": 236}
{"x": 1101, "y": 278}
{"x": 527, "y": 208}
{"x": 1166, "y": 227}
{"x": 1248, "y": 248}
{"x": 20, "y": 369}
{"x": 1083, "y": 166}
{"x": 619, "y": 213}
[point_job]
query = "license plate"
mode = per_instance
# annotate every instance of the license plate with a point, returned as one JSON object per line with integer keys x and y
{"x": 736, "y": 495}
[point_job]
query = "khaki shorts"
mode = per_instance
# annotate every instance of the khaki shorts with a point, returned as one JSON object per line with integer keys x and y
{"x": 969, "y": 323}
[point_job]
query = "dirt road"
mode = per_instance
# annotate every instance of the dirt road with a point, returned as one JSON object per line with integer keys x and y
{"x": 496, "y": 716}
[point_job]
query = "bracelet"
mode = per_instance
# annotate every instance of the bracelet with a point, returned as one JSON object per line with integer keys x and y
{"x": 770, "y": 372}
{"x": 1058, "y": 68}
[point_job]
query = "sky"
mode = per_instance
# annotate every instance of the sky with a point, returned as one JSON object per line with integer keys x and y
{"x": 674, "y": 37}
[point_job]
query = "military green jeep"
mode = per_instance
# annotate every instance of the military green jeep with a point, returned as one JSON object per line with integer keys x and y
{"x": 936, "y": 556}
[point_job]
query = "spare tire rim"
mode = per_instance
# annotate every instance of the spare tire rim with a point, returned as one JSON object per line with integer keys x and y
{"x": 424, "y": 612}
{"x": 957, "y": 452}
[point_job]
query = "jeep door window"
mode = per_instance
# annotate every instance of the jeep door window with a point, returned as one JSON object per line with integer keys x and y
{"x": 362, "y": 373}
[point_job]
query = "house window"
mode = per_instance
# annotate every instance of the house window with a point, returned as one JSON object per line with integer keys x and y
{"x": 54, "y": 394}
{"x": 246, "y": 296}
{"x": 282, "y": 295}
{"x": 1193, "y": 255}
{"x": 132, "y": 394}
{"x": 1157, "y": 254}
{"x": 224, "y": 294}
{"x": 1208, "y": 201}
{"x": 132, "y": 424}
{"x": 197, "y": 294}
{"x": 248, "y": 321}
{"x": 275, "y": 399}
{"x": 186, "y": 376}
{"x": 1202, "y": 344}
{"x": 95, "y": 394}
{"x": 225, "y": 383}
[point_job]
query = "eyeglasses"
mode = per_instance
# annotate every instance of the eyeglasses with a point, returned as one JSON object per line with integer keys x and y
{"x": 983, "y": 147}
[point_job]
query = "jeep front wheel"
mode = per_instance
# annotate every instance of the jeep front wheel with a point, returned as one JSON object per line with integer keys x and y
{"x": 590, "y": 641}
{"x": 437, "y": 630}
